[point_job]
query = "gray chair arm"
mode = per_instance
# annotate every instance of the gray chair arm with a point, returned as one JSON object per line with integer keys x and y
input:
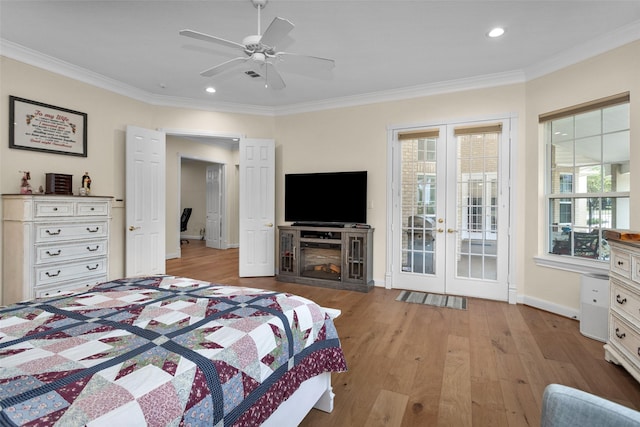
{"x": 564, "y": 406}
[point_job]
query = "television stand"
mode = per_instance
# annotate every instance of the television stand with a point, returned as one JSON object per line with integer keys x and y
{"x": 334, "y": 257}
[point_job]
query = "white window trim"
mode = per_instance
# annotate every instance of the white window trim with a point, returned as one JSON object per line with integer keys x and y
{"x": 573, "y": 264}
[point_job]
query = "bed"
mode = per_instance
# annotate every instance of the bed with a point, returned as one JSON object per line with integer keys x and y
{"x": 166, "y": 350}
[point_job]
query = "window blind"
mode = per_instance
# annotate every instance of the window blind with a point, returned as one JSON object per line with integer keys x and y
{"x": 475, "y": 129}
{"x": 597, "y": 104}
{"x": 418, "y": 134}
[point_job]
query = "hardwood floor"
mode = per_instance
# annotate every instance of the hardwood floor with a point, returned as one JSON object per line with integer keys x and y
{"x": 415, "y": 365}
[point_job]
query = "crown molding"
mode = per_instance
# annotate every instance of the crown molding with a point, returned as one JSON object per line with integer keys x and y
{"x": 37, "y": 59}
{"x": 449, "y": 86}
{"x": 589, "y": 49}
{"x": 566, "y": 58}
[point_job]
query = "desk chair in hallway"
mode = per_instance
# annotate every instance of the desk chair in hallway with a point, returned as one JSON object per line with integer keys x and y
{"x": 184, "y": 219}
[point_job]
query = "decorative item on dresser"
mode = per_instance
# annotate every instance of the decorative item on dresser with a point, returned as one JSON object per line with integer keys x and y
{"x": 58, "y": 183}
{"x": 623, "y": 346}
{"x": 53, "y": 243}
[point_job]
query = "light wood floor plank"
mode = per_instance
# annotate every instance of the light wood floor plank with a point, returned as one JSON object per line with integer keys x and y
{"x": 388, "y": 409}
{"x": 455, "y": 397}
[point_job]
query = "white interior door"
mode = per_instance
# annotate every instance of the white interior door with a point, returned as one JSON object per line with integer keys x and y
{"x": 145, "y": 202}
{"x": 213, "y": 228}
{"x": 451, "y": 205}
{"x": 257, "y": 207}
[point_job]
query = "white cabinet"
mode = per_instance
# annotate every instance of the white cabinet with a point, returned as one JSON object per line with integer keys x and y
{"x": 52, "y": 244}
{"x": 623, "y": 346}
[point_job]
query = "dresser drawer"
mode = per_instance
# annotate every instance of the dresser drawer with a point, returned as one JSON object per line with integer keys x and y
{"x": 69, "y": 288}
{"x": 624, "y": 336}
{"x": 53, "y": 208}
{"x": 49, "y": 274}
{"x": 70, "y": 251}
{"x": 55, "y": 232}
{"x": 635, "y": 268}
{"x": 621, "y": 262}
{"x": 625, "y": 301}
{"x": 92, "y": 208}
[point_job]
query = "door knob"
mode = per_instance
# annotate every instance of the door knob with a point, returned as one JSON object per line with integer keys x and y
{"x": 451, "y": 230}
{"x": 132, "y": 228}
{"x": 269, "y": 224}
{"x": 440, "y": 230}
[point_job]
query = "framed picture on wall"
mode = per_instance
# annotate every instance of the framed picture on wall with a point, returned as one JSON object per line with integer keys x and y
{"x": 41, "y": 127}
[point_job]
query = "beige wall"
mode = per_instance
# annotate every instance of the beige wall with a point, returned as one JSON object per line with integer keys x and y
{"x": 353, "y": 138}
{"x": 608, "y": 74}
{"x": 193, "y": 190}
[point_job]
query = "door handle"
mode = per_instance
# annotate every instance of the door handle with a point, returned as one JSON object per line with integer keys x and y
{"x": 440, "y": 230}
{"x": 269, "y": 224}
{"x": 132, "y": 228}
{"x": 451, "y": 230}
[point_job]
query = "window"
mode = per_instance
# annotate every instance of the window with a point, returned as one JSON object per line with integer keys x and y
{"x": 587, "y": 170}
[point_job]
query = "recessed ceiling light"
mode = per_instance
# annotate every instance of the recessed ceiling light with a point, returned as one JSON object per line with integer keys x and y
{"x": 496, "y": 32}
{"x": 211, "y": 89}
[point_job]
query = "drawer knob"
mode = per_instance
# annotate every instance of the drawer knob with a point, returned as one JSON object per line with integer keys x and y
{"x": 93, "y": 231}
{"x": 54, "y": 254}
{"x": 53, "y": 233}
{"x": 92, "y": 268}
{"x": 620, "y": 263}
{"x": 53, "y": 274}
{"x": 94, "y": 249}
{"x": 55, "y": 209}
{"x": 93, "y": 209}
{"x": 620, "y": 300}
{"x": 620, "y": 335}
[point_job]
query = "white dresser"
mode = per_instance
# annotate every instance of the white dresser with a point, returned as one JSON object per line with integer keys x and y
{"x": 53, "y": 244}
{"x": 623, "y": 346}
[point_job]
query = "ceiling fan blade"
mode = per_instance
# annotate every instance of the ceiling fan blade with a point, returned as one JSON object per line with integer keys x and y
{"x": 278, "y": 29}
{"x": 220, "y": 68}
{"x": 206, "y": 37}
{"x": 272, "y": 77}
{"x": 305, "y": 61}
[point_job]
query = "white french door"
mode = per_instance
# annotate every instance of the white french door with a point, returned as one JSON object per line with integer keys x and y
{"x": 450, "y": 209}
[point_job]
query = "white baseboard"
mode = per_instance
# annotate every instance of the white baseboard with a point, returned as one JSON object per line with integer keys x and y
{"x": 189, "y": 237}
{"x": 551, "y": 307}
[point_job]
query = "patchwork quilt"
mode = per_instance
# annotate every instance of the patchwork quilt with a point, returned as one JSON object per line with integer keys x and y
{"x": 159, "y": 351}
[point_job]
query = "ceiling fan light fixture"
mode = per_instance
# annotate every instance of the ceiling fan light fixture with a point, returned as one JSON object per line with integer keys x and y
{"x": 258, "y": 57}
{"x": 495, "y": 32}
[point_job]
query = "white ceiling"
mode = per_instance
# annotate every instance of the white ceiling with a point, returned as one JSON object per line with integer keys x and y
{"x": 382, "y": 49}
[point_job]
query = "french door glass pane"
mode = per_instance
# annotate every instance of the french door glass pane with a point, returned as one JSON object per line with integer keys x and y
{"x": 418, "y": 205}
{"x": 477, "y": 197}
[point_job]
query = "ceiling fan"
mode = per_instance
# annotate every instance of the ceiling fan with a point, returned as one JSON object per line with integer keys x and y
{"x": 260, "y": 51}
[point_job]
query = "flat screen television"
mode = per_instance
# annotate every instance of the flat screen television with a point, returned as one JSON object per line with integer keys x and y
{"x": 326, "y": 198}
